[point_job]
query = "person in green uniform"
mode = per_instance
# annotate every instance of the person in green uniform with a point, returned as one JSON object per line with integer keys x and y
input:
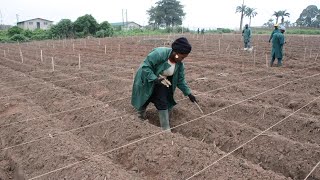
{"x": 246, "y": 33}
{"x": 277, "y": 46}
{"x": 157, "y": 78}
{"x": 274, "y": 31}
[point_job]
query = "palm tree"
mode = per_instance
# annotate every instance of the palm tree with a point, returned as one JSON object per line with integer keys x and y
{"x": 277, "y": 14}
{"x": 283, "y": 14}
{"x": 241, "y": 9}
{"x": 250, "y": 12}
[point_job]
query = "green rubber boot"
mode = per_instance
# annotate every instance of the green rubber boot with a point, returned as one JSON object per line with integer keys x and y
{"x": 164, "y": 119}
{"x": 142, "y": 113}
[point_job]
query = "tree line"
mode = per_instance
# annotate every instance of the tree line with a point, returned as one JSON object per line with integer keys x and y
{"x": 309, "y": 17}
{"x": 84, "y": 26}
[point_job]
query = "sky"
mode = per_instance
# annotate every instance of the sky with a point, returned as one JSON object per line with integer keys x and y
{"x": 208, "y": 14}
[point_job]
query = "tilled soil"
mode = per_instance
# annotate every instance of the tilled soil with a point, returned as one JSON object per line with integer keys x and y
{"x": 68, "y": 115}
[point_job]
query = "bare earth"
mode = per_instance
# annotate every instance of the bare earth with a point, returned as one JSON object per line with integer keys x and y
{"x": 76, "y": 122}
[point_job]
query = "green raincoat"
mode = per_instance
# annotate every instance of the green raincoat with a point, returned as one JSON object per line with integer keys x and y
{"x": 246, "y": 34}
{"x": 274, "y": 31}
{"x": 150, "y": 69}
{"x": 277, "y": 45}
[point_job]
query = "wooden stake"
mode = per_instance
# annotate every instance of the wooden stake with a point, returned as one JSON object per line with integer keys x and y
{"x": 227, "y": 47}
{"x": 316, "y": 58}
{"x": 266, "y": 60}
{"x": 41, "y": 56}
{"x": 4, "y": 53}
{"x": 105, "y": 49}
{"x": 52, "y": 63}
{"x": 99, "y": 42}
{"x": 73, "y": 47}
{"x": 310, "y": 52}
{"x": 219, "y": 45}
{"x": 133, "y": 74}
{"x": 305, "y": 51}
{"x": 119, "y": 48}
{"x": 254, "y": 58}
{"x": 79, "y": 61}
{"x": 199, "y": 107}
{"x": 21, "y": 55}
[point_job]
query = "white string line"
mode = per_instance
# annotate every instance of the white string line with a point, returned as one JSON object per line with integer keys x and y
{"x": 61, "y": 112}
{"x": 55, "y": 88}
{"x": 251, "y": 139}
{"x": 48, "y": 115}
{"x": 136, "y": 141}
{"x": 64, "y": 132}
{"x": 314, "y": 168}
{"x": 35, "y": 78}
{"x": 38, "y": 83}
{"x": 90, "y": 71}
{"x": 126, "y": 98}
{"x": 177, "y": 100}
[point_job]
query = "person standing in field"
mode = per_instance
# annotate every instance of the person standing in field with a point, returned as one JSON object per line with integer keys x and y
{"x": 157, "y": 78}
{"x": 246, "y": 33}
{"x": 274, "y": 31}
{"x": 277, "y": 46}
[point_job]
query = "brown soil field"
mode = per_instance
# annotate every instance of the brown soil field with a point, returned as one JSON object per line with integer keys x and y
{"x": 65, "y": 111}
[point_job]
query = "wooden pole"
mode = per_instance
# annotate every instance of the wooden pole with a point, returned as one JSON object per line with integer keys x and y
{"x": 254, "y": 58}
{"x": 52, "y": 62}
{"x": 310, "y": 52}
{"x": 105, "y": 49}
{"x": 266, "y": 60}
{"x": 305, "y": 51}
{"x": 41, "y": 56}
{"x": 21, "y": 55}
{"x": 79, "y": 61}
{"x": 219, "y": 45}
{"x": 73, "y": 47}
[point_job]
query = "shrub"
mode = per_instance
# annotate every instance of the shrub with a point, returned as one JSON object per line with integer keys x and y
{"x": 100, "y": 34}
{"x": 14, "y": 30}
{"x": 19, "y": 37}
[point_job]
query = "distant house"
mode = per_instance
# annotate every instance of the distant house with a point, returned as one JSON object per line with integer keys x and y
{"x": 126, "y": 25}
{"x": 5, "y": 27}
{"x": 37, "y": 23}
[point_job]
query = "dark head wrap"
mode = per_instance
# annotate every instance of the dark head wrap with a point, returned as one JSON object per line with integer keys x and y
{"x": 181, "y": 45}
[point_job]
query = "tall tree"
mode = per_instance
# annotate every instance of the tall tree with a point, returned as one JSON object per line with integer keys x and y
{"x": 277, "y": 14}
{"x": 241, "y": 9}
{"x": 310, "y": 17}
{"x": 168, "y": 12}
{"x": 283, "y": 14}
{"x": 250, "y": 12}
{"x": 64, "y": 29}
{"x": 86, "y": 24}
{"x": 269, "y": 23}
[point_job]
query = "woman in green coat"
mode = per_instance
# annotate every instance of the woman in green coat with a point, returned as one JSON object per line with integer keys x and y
{"x": 158, "y": 76}
{"x": 277, "y": 46}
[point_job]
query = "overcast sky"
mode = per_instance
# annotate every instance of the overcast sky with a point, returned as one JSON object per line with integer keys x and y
{"x": 199, "y": 13}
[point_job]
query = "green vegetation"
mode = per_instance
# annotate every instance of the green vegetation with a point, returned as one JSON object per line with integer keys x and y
{"x": 166, "y": 13}
{"x": 166, "y": 17}
{"x": 307, "y": 31}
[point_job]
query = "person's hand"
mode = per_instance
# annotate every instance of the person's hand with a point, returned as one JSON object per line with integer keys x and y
{"x": 163, "y": 80}
{"x": 158, "y": 81}
{"x": 192, "y": 98}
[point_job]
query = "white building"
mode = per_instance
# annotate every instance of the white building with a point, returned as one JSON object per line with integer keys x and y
{"x": 37, "y": 23}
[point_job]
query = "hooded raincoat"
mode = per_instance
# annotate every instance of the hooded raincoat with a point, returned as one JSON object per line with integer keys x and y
{"x": 277, "y": 45}
{"x": 150, "y": 69}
